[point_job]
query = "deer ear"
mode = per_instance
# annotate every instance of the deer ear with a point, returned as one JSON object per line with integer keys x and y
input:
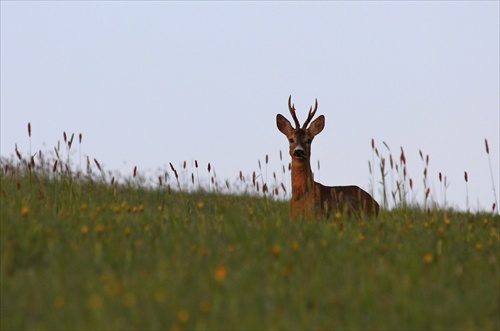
{"x": 317, "y": 126}
{"x": 283, "y": 125}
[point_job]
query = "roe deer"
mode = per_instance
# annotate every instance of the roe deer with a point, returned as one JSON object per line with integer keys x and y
{"x": 309, "y": 198}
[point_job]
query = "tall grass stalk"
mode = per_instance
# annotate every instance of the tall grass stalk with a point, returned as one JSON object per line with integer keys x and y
{"x": 466, "y": 178}
{"x": 495, "y": 204}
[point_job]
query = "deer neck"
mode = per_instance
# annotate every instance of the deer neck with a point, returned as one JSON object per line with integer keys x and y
{"x": 302, "y": 179}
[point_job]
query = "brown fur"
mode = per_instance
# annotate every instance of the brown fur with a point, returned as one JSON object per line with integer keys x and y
{"x": 309, "y": 198}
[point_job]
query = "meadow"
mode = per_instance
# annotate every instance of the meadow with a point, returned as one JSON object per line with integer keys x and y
{"x": 84, "y": 250}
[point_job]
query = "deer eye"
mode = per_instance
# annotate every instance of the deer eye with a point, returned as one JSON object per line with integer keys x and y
{"x": 290, "y": 140}
{"x": 309, "y": 141}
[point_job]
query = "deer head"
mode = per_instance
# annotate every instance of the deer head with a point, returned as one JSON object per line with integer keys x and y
{"x": 300, "y": 138}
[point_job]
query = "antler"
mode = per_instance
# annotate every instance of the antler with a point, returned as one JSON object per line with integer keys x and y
{"x": 292, "y": 111}
{"x": 311, "y": 115}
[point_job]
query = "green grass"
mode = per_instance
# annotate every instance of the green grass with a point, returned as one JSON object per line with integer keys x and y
{"x": 80, "y": 251}
{"x": 82, "y": 254}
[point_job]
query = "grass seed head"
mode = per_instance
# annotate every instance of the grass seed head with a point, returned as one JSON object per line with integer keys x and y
{"x": 18, "y": 154}
{"x": 97, "y": 164}
{"x": 283, "y": 187}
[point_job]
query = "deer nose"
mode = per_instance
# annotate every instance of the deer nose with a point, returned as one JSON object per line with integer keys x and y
{"x": 299, "y": 153}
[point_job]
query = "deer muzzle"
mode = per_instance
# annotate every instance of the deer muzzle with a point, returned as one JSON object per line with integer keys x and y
{"x": 299, "y": 153}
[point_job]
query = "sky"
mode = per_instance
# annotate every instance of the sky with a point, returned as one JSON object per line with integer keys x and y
{"x": 149, "y": 83}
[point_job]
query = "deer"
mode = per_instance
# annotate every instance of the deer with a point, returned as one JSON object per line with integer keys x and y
{"x": 309, "y": 198}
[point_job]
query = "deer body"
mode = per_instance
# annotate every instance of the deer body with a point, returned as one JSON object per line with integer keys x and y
{"x": 309, "y": 198}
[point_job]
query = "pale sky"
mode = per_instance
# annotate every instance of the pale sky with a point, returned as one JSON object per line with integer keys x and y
{"x": 148, "y": 83}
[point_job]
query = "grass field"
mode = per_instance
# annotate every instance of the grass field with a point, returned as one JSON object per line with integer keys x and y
{"x": 78, "y": 252}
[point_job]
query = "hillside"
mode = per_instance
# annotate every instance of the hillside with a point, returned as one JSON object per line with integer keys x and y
{"x": 81, "y": 253}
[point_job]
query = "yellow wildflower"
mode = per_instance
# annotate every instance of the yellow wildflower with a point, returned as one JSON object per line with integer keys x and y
{"x": 428, "y": 258}
{"x": 59, "y": 302}
{"x": 84, "y": 229}
{"x": 205, "y": 307}
{"x": 285, "y": 271}
{"x": 220, "y": 273}
{"x": 100, "y": 228}
{"x": 276, "y": 250}
{"x": 203, "y": 252}
{"x": 160, "y": 295}
{"x": 25, "y": 211}
{"x": 183, "y": 316}
{"x": 128, "y": 299}
{"x": 95, "y": 301}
